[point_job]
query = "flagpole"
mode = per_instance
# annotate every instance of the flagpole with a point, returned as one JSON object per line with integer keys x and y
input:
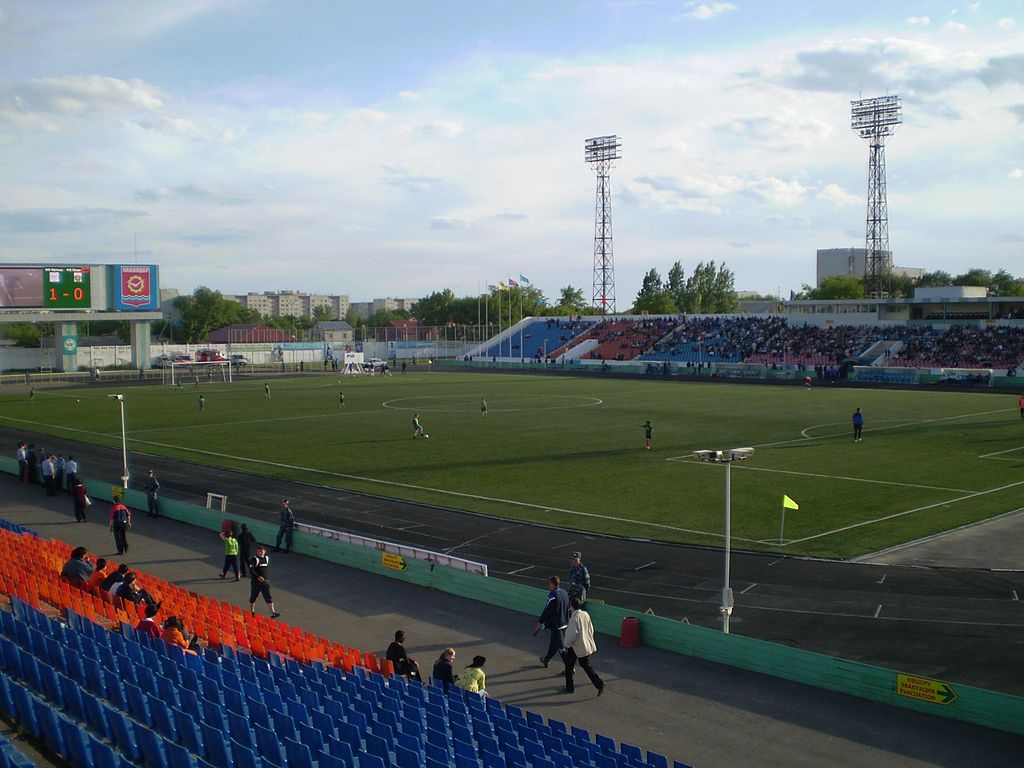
{"x": 782, "y": 528}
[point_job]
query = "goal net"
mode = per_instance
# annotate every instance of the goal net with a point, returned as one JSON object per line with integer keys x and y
{"x": 196, "y": 374}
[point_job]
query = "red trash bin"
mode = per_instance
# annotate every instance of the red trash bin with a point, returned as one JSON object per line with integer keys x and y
{"x": 630, "y": 635}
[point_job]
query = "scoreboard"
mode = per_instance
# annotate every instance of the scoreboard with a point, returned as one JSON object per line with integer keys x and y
{"x": 67, "y": 288}
{"x": 79, "y": 287}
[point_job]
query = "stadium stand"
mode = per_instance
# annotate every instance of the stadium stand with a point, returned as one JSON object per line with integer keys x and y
{"x": 771, "y": 341}
{"x": 540, "y": 338}
{"x": 97, "y": 693}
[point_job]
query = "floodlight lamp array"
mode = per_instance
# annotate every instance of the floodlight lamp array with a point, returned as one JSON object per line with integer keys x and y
{"x": 877, "y": 116}
{"x": 602, "y": 149}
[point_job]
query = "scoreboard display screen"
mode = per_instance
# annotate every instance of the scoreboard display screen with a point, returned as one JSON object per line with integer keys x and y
{"x": 66, "y": 288}
{"x": 45, "y": 287}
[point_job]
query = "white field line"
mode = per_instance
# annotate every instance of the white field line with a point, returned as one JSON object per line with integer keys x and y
{"x": 996, "y": 454}
{"x": 973, "y": 495}
{"x": 409, "y": 486}
{"x": 846, "y": 433}
{"x": 748, "y": 468}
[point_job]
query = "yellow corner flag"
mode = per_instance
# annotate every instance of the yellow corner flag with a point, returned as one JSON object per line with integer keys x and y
{"x": 788, "y": 503}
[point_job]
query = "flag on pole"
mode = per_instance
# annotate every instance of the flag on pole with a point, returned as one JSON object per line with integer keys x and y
{"x": 502, "y": 287}
{"x": 523, "y": 279}
{"x": 788, "y": 503}
{"x": 512, "y": 283}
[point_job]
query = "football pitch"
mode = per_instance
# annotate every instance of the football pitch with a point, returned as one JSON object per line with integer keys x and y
{"x": 570, "y": 451}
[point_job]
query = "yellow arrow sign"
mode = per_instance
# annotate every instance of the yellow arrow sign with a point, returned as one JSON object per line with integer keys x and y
{"x": 924, "y": 689}
{"x": 394, "y": 562}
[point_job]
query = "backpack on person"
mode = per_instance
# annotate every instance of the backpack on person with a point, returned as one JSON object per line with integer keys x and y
{"x": 121, "y": 514}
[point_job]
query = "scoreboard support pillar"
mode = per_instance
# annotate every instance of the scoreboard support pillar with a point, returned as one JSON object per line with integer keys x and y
{"x": 140, "y": 330}
{"x": 67, "y": 350}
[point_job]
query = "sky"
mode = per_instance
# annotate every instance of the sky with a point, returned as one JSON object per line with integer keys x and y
{"x": 399, "y": 147}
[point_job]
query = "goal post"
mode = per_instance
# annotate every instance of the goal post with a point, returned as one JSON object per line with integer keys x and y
{"x": 219, "y": 499}
{"x": 196, "y": 374}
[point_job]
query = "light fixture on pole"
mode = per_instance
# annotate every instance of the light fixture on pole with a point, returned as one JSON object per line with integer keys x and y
{"x": 124, "y": 443}
{"x": 727, "y": 458}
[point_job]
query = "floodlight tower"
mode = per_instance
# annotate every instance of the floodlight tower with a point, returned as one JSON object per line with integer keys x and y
{"x": 875, "y": 120}
{"x": 601, "y": 152}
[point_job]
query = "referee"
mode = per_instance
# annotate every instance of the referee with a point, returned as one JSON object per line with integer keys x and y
{"x": 259, "y": 570}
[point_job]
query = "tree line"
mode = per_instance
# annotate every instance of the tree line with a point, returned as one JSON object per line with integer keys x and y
{"x": 999, "y": 283}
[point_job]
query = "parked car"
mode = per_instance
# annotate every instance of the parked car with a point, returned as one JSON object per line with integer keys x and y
{"x": 164, "y": 361}
{"x": 210, "y": 356}
{"x": 181, "y": 357}
{"x": 238, "y": 361}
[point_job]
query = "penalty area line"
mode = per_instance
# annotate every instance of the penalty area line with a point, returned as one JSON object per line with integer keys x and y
{"x": 844, "y": 528}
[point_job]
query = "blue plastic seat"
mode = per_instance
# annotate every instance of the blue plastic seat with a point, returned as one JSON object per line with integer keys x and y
{"x": 163, "y": 718}
{"x": 123, "y": 731}
{"x": 138, "y": 707}
{"x": 656, "y": 760}
{"x": 178, "y": 756}
{"x": 515, "y": 758}
{"x": 74, "y": 741}
{"x": 437, "y": 752}
{"x": 152, "y": 745}
{"x": 631, "y": 752}
{"x": 46, "y": 716}
{"x": 244, "y": 756}
{"x": 351, "y": 735}
{"x": 189, "y": 734}
{"x": 340, "y": 750}
{"x": 240, "y": 729}
{"x": 366, "y": 760}
{"x": 104, "y": 756}
{"x": 491, "y": 760}
{"x": 269, "y": 746}
{"x": 72, "y": 696}
{"x": 327, "y": 760}
{"x": 379, "y": 747}
{"x": 299, "y": 755}
{"x": 466, "y": 761}
{"x": 606, "y": 744}
{"x": 218, "y": 748}
{"x": 310, "y": 737}
{"x": 407, "y": 758}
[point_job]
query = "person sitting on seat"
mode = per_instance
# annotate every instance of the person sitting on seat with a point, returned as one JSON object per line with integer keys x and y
{"x": 78, "y": 569}
{"x": 148, "y": 625}
{"x": 397, "y": 656}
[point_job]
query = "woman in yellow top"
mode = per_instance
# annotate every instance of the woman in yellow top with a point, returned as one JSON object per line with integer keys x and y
{"x": 472, "y": 678}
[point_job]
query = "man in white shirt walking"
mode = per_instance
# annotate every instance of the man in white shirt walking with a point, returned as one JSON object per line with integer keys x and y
{"x": 580, "y": 646}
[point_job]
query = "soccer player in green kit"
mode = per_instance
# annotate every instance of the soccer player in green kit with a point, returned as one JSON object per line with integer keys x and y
{"x": 648, "y": 433}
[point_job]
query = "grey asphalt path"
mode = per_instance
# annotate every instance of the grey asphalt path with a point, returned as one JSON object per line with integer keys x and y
{"x": 993, "y": 544}
{"x": 962, "y": 625}
{"x": 706, "y": 715}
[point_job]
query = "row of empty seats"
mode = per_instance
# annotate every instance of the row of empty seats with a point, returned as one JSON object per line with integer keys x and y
{"x": 102, "y": 697}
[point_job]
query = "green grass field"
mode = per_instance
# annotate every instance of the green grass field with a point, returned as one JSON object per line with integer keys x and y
{"x": 570, "y": 451}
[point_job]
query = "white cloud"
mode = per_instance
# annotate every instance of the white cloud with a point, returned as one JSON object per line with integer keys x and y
{"x": 445, "y": 222}
{"x": 1017, "y": 173}
{"x": 705, "y": 11}
{"x": 919, "y": 20}
{"x": 837, "y": 196}
{"x": 76, "y": 95}
{"x": 443, "y": 129}
{"x": 955, "y": 26}
{"x": 1006, "y": 23}
{"x": 973, "y": 7}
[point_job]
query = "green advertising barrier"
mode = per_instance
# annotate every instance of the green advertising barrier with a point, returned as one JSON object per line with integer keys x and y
{"x": 934, "y": 697}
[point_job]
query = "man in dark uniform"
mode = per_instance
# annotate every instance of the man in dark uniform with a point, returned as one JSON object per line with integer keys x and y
{"x": 285, "y": 528}
{"x": 579, "y": 578}
{"x": 259, "y": 570}
{"x": 554, "y": 618}
{"x": 152, "y": 487}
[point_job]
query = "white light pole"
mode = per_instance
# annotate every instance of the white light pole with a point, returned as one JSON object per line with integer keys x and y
{"x": 124, "y": 443}
{"x": 727, "y": 458}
